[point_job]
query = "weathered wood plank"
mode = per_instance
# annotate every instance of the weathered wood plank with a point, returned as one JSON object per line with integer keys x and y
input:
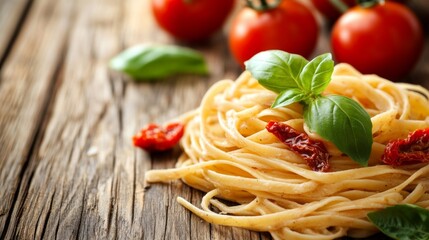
{"x": 79, "y": 167}
{"x": 12, "y": 14}
{"x": 26, "y": 82}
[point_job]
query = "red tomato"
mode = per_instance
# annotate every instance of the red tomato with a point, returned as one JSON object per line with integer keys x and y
{"x": 329, "y": 10}
{"x": 290, "y": 27}
{"x": 191, "y": 20}
{"x": 157, "y": 138}
{"x": 386, "y": 39}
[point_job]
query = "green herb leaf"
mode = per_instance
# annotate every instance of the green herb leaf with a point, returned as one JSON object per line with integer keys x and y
{"x": 404, "y": 222}
{"x": 277, "y": 70}
{"x": 289, "y": 96}
{"x": 149, "y": 62}
{"x": 338, "y": 119}
{"x": 316, "y": 75}
{"x": 344, "y": 122}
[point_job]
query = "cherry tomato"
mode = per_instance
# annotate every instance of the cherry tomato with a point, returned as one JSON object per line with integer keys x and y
{"x": 191, "y": 20}
{"x": 156, "y": 138}
{"x": 290, "y": 27}
{"x": 385, "y": 39}
{"x": 329, "y": 10}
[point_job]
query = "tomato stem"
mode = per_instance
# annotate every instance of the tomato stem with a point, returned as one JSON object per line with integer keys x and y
{"x": 339, "y": 5}
{"x": 369, "y": 3}
{"x": 263, "y": 5}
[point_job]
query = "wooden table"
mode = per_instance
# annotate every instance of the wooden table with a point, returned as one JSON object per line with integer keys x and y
{"x": 67, "y": 166}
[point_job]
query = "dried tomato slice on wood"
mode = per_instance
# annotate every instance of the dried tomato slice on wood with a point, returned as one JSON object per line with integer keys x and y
{"x": 158, "y": 138}
{"x": 413, "y": 149}
{"x": 313, "y": 151}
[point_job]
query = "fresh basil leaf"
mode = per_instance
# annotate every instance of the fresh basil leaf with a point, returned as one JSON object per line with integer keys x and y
{"x": 277, "y": 70}
{"x": 288, "y": 97}
{"x": 404, "y": 222}
{"x": 344, "y": 122}
{"x": 338, "y": 119}
{"x": 316, "y": 75}
{"x": 148, "y": 62}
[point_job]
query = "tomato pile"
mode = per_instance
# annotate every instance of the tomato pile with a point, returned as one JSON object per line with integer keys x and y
{"x": 375, "y": 36}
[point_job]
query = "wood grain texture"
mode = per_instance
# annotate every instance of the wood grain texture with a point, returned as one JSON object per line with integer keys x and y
{"x": 68, "y": 169}
{"x": 25, "y": 85}
{"x": 83, "y": 180}
{"x": 12, "y": 14}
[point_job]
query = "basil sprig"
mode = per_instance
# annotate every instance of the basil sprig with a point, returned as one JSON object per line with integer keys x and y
{"x": 404, "y": 222}
{"x": 149, "y": 62}
{"x": 338, "y": 119}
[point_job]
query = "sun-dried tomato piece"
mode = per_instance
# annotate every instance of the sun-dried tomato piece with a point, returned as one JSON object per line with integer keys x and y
{"x": 413, "y": 149}
{"x": 157, "y": 138}
{"x": 313, "y": 151}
